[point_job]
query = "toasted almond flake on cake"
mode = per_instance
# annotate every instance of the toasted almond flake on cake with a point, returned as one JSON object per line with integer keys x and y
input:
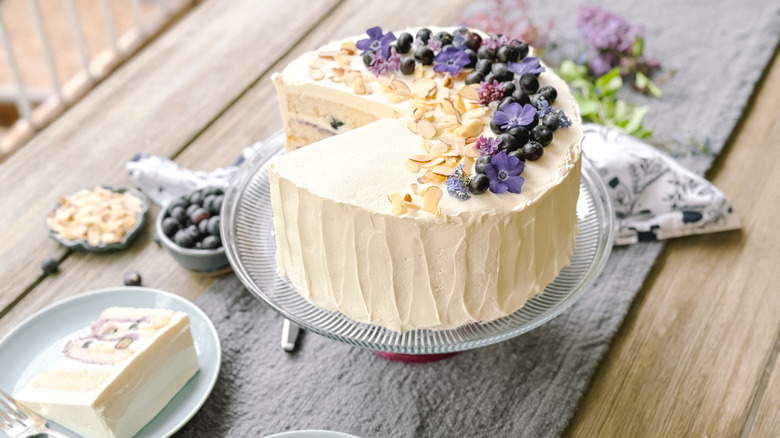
{"x": 397, "y": 114}
{"x": 350, "y": 47}
{"x": 317, "y": 63}
{"x": 423, "y": 87}
{"x": 471, "y": 128}
{"x": 468, "y": 164}
{"x": 442, "y": 170}
{"x": 426, "y": 129}
{"x": 411, "y": 166}
{"x": 448, "y": 81}
{"x": 359, "y": 87}
{"x": 420, "y": 158}
{"x": 469, "y": 92}
{"x": 431, "y": 199}
{"x": 328, "y": 54}
{"x": 411, "y": 125}
{"x": 474, "y": 113}
{"x": 316, "y": 74}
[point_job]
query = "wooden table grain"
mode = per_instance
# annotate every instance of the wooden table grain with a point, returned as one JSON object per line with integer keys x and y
{"x": 696, "y": 356}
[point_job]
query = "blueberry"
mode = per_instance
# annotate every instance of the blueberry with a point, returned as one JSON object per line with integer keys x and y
{"x": 198, "y": 215}
{"x": 532, "y": 151}
{"x": 170, "y": 226}
{"x": 367, "y": 58}
{"x": 520, "y": 134}
{"x": 213, "y": 226}
{"x": 424, "y": 35}
{"x": 196, "y": 197}
{"x": 521, "y": 97}
{"x": 472, "y": 58}
{"x": 549, "y": 93}
{"x": 131, "y": 278}
{"x": 517, "y": 154}
{"x": 408, "y": 65}
{"x": 485, "y": 53}
{"x": 483, "y": 66}
{"x": 212, "y": 191}
{"x": 504, "y": 102}
{"x": 210, "y": 198}
{"x": 216, "y": 205}
{"x": 181, "y": 202}
{"x": 508, "y": 142}
{"x": 211, "y": 242}
{"x": 50, "y": 265}
{"x": 478, "y": 184}
{"x": 552, "y": 121}
{"x": 473, "y": 41}
{"x": 424, "y": 55}
{"x": 203, "y": 227}
{"x": 498, "y": 68}
{"x": 184, "y": 239}
{"x": 490, "y": 77}
{"x": 192, "y": 208}
{"x": 404, "y": 42}
{"x": 522, "y": 49}
{"x": 444, "y": 37}
{"x": 479, "y": 165}
{"x": 509, "y": 88}
{"x": 495, "y": 128}
{"x": 192, "y": 231}
{"x": 529, "y": 83}
{"x": 507, "y": 54}
{"x": 178, "y": 213}
{"x": 474, "y": 77}
{"x": 542, "y": 134}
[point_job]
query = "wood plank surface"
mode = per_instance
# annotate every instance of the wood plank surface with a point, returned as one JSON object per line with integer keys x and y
{"x": 767, "y": 414}
{"x": 157, "y": 103}
{"x": 689, "y": 359}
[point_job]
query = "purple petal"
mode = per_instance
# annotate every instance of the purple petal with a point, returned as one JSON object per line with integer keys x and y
{"x": 513, "y": 109}
{"x": 515, "y": 67}
{"x": 516, "y": 168}
{"x": 501, "y": 118}
{"x": 491, "y": 171}
{"x": 388, "y": 38}
{"x": 375, "y": 32}
{"x": 514, "y": 184}
{"x": 527, "y": 114}
{"x": 500, "y": 161}
{"x": 441, "y": 67}
{"x": 497, "y": 186}
{"x": 363, "y": 44}
{"x": 442, "y": 57}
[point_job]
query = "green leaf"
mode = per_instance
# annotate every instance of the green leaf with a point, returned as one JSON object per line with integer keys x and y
{"x": 582, "y": 84}
{"x": 570, "y": 71}
{"x": 622, "y": 111}
{"x": 588, "y": 107}
{"x": 638, "y": 47}
{"x": 635, "y": 122}
{"x": 610, "y": 82}
{"x": 643, "y": 82}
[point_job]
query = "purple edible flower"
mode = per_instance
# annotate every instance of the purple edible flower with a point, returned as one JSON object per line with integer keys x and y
{"x": 542, "y": 108}
{"x": 459, "y": 38}
{"x": 457, "y": 184}
{"x": 514, "y": 115}
{"x": 545, "y": 108}
{"x": 527, "y": 65}
{"x": 495, "y": 42}
{"x": 394, "y": 60}
{"x": 504, "y": 173}
{"x": 487, "y": 145}
{"x": 451, "y": 60}
{"x": 376, "y": 41}
{"x": 434, "y": 44}
{"x": 607, "y": 35}
{"x": 488, "y": 92}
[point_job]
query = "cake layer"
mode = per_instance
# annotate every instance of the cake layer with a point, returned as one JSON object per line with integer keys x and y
{"x": 114, "y": 381}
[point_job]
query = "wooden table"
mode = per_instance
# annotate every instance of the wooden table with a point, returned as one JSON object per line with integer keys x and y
{"x": 697, "y": 355}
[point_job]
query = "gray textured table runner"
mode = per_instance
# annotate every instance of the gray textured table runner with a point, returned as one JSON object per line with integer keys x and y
{"x": 530, "y": 385}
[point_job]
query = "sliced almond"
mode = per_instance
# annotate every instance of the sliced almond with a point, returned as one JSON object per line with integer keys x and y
{"x": 394, "y": 197}
{"x": 471, "y": 151}
{"x": 423, "y": 87}
{"x": 344, "y": 61}
{"x": 397, "y": 114}
{"x": 438, "y": 149}
{"x": 469, "y": 92}
{"x": 317, "y": 63}
{"x": 468, "y": 164}
{"x": 410, "y": 205}
{"x": 431, "y": 199}
{"x": 448, "y": 81}
{"x": 350, "y": 47}
{"x": 316, "y": 74}
{"x": 398, "y": 209}
{"x": 359, "y": 87}
{"x": 411, "y": 125}
{"x": 420, "y": 158}
{"x": 427, "y": 145}
{"x": 471, "y": 128}
{"x": 426, "y": 129}
{"x": 329, "y": 54}
{"x": 412, "y": 166}
{"x": 444, "y": 171}
{"x": 447, "y": 107}
{"x": 474, "y": 113}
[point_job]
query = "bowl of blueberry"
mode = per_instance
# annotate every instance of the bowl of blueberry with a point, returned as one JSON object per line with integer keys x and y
{"x": 188, "y": 228}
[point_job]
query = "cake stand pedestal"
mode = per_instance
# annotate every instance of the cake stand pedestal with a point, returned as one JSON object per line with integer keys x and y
{"x": 247, "y": 233}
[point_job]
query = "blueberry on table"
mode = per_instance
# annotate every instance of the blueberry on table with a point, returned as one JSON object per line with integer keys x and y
{"x": 474, "y": 77}
{"x": 424, "y": 55}
{"x": 529, "y": 83}
{"x": 131, "y": 278}
{"x": 50, "y": 265}
{"x": 542, "y": 134}
{"x": 404, "y": 42}
{"x": 479, "y": 183}
{"x": 533, "y": 150}
{"x": 479, "y": 165}
{"x": 408, "y": 65}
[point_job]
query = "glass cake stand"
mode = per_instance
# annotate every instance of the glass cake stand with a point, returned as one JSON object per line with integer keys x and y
{"x": 247, "y": 227}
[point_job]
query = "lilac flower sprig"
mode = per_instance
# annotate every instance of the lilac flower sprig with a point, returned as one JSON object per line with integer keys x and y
{"x": 544, "y": 108}
{"x": 458, "y": 184}
{"x": 487, "y": 145}
{"x": 451, "y": 60}
{"x": 380, "y": 64}
{"x": 609, "y": 37}
{"x": 513, "y": 114}
{"x": 527, "y": 65}
{"x": 490, "y": 92}
{"x": 377, "y": 41}
{"x": 504, "y": 173}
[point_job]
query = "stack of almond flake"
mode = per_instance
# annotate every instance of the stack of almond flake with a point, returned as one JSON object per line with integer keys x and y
{"x": 100, "y": 216}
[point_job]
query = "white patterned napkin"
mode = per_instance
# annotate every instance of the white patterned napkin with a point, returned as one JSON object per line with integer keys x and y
{"x": 654, "y": 197}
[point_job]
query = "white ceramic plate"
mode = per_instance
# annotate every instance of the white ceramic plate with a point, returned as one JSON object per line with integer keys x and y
{"x": 38, "y": 341}
{"x": 311, "y": 434}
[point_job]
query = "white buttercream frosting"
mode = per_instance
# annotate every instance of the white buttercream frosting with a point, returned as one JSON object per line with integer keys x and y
{"x": 343, "y": 249}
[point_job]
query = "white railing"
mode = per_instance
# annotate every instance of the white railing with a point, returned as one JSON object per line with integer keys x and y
{"x": 35, "y": 111}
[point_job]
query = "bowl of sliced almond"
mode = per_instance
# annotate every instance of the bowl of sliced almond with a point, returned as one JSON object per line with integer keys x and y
{"x": 100, "y": 219}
